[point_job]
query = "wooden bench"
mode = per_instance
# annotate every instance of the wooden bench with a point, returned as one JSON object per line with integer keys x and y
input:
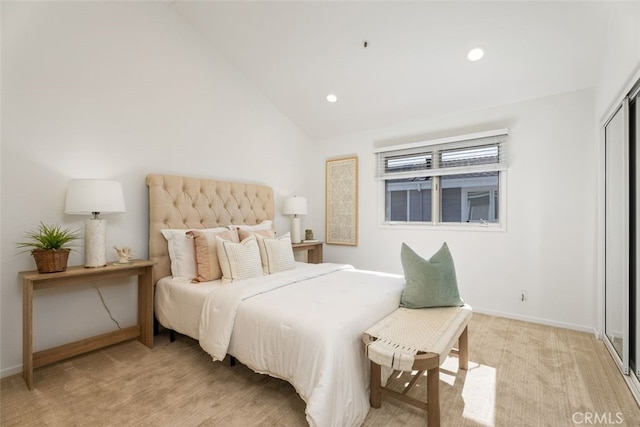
{"x": 417, "y": 340}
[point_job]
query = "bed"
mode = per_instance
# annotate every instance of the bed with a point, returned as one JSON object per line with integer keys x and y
{"x": 302, "y": 324}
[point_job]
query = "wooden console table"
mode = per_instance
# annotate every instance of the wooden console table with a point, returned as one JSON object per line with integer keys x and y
{"x": 314, "y": 251}
{"x": 32, "y": 280}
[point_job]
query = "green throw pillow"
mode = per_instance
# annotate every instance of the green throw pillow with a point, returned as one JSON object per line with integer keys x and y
{"x": 429, "y": 283}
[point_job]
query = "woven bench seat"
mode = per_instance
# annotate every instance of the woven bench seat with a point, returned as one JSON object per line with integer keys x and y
{"x": 420, "y": 340}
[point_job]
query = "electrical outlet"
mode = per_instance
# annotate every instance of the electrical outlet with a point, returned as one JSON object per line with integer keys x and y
{"x": 523, "y": 295}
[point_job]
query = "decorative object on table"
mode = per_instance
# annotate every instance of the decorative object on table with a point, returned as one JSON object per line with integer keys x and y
{"x": 295, "y": 206}
{"x": 125, "y": 254}
{"x": 94, "y": 197}
{"x": 308, "y": 237}
{"x": 49, "y": 246}
{"x": 342, "y": 201}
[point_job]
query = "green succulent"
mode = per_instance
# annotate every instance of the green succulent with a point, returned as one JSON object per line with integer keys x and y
{"x": 48, "y": 237}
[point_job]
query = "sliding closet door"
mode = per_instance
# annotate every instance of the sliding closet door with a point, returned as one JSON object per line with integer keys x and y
{"x": 617, "y": 235}
{"x": 634, "y": 247}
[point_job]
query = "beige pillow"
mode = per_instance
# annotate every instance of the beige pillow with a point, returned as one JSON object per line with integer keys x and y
{"x": 181, "y": 251}
{"x": 239, "y": 260}
{"x": 243, "y": 234}
{"x": 206, "y": 252}
{"x": 276, "y": 253}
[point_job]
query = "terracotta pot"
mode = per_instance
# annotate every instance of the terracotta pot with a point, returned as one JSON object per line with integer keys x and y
{"x": 51, "y": 260}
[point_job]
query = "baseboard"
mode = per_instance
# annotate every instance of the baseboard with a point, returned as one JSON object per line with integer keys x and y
{"x": 538, "y": 321}
{"x": 10, "y": 371}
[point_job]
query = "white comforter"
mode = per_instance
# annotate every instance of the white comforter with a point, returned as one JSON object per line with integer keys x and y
{"x": 304, "y": 326}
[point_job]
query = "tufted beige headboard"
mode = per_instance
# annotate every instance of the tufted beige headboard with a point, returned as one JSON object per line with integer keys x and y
{"x": 182, "y": 202}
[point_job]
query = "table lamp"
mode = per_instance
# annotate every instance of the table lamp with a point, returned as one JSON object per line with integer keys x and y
{"x": 295, "y": 206}
{"x": 94, "y": 197}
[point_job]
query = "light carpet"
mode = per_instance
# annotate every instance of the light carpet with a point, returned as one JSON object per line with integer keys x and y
{"x": 520, "y": 374}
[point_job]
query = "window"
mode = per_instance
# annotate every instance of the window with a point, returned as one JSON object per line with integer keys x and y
{"x": 449, "y": 181}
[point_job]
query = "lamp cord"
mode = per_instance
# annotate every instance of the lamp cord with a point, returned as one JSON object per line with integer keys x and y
{"x": 107, "y": 308}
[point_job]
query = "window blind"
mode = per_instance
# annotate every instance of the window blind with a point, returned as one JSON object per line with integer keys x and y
{"x": 475, "y": 153}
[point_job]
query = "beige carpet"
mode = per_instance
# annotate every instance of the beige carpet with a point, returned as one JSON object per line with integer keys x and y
{"x": 520, "y": 374}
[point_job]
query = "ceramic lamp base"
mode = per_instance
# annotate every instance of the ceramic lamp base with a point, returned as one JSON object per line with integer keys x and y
{"x": 95, "y": 243}
{"x": 295, "y": 230}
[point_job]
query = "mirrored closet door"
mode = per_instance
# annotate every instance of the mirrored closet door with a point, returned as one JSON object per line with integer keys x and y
{"x": 634, "y": 234}
{"x": 616, "y": 234}
{"x": 622, "y": 231}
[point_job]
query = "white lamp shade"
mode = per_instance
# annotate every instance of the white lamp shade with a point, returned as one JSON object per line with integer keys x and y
{"x": 294, "y": 205}
{"x": 86, "y": 196}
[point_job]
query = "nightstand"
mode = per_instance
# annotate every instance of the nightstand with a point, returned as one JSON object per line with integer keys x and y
{"x": 313, "y": 249}
{"x": 32, "y": 281}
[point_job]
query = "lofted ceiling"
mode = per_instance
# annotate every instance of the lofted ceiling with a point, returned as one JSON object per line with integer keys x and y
{"x": 414, "y": 65}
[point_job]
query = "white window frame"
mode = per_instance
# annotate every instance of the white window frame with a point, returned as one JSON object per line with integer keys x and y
{"x": 446, "y": 143}
{"x": 406, "y": 187}
{"x": 464, "y": 205}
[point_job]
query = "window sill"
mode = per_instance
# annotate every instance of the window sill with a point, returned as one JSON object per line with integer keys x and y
{"x": 442, "y": 226}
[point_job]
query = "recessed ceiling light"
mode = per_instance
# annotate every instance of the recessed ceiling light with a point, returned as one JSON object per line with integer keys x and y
{"x": 332, "y": 98}
{"x": 475, "y": 54}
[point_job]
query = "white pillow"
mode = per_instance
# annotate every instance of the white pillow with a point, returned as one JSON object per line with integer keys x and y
{"x": 181, "y": 251}
{"x": 276, "y": 253}
{"x": 267, "y": 224}
{"x": 239, "y": 260}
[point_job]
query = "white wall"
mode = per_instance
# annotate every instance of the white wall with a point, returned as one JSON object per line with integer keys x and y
{"x": 117, "y": 90}
{"x": 621, "y": 56}
{"x": 548, "y": 247}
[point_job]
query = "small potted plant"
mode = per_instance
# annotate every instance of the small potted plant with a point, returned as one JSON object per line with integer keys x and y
{"x": 49, "y": 246}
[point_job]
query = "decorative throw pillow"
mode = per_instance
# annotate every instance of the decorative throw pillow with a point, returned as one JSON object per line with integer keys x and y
{"x": 181, "y": 251}
{"x": 276, "y": 253}
{"x": 243, "y": 234}
{"x": 429, "y": 283}
{"x": 239, "y": 260}
{"x": 206, "y": 252}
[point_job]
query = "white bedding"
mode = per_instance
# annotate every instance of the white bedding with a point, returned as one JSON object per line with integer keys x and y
{"x": 178, "y": 304}
{"x": 302, "y": 325}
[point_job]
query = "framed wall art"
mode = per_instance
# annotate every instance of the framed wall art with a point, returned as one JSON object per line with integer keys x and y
{"x": 341, "y": 202}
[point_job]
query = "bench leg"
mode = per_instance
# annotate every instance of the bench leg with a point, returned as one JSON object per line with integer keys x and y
{"x": 463, "y": 349}
{"x": 433, "y": 397}
{"x": 375, "y": 393}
